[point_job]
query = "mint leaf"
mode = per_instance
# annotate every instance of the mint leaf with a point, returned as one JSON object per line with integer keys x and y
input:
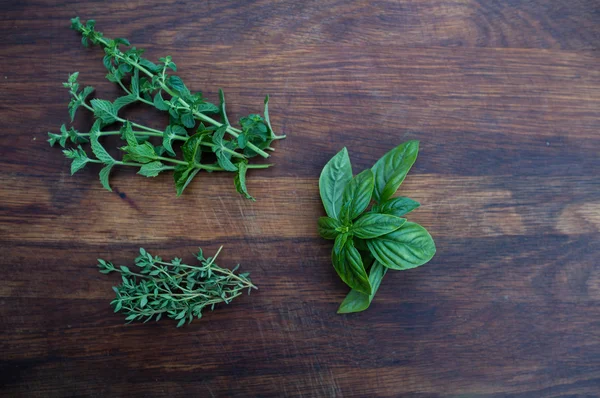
{"x": 123, "y": 101}
{"x": 80, "y": 158}
{"x": 143, "y": 153}
{"x": 104, "y": 176}
{"x": 97, "y": 148}
{"x": 104, "y": 110}
{"x": 240, "y": 179}
{"x": 153, "y": 169}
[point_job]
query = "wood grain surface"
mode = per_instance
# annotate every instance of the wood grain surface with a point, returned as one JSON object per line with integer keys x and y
{"x": 504, "y": 97}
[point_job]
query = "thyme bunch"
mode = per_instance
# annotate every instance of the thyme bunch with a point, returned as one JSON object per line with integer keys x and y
{"x": 173, "y": 289}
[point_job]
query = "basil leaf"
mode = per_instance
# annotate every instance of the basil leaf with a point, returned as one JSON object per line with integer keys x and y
{"x": 356, "y": 301}
{"x": 358, "y": 192}
{"x": 348, "y": 264}
{"x": 392, "y": 168}
{"x": 334, "y": 177}
{"x": 328, "y": 227}
{"x": 396, "y": 206}
{"x": 407, "y": 247}
{"x": 372, "y": 225}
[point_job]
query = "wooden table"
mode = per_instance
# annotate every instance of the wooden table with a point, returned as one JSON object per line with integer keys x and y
{"x": 504, "y": 97}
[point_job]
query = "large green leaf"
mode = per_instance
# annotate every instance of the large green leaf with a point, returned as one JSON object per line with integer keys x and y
{"x": 372, "y": 225}
{"x": 334, "y": 177}
{"x": 396, "y": 206}
{"x": 407, "y": 247}
{"x": 328, "y": 227}
{"x": 392, "y": 168}
{"x": 348, "y": 264}
{"x": 357, "y": 193}
{"x": 356, "y": 301}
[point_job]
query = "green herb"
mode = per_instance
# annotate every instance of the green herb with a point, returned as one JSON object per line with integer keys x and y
{"x": 376, "y": 239}
{"x": 173, "y": 289}
{"x": 153, "y": 84}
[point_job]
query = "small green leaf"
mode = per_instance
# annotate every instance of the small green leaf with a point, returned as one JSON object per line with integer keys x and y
{"x": 392, "y": 168}
{"x": 160, "y": 103}
{"x": 104, "y": 110}
{"x": 188, "y": 120}
{"x": 152, "y": 169}
{"x": 183, "y": 176}
{"x": 122, "y": 101}
{"x": 207, "y": 107}
{"x": 151, "y": 66}
{"x": 358, "y": 193}
{"x": 348, "y": 264}
{"x": 240, "y": 179}
{"x": 408, "y": 247}
{"x": 104, "y": 176}
{"x": 128, "y": 135}
{"x": 396, "y": 206}
{"x": 143, "y": 153}
{"x": 329, "y": 227}
{"x": 223, "y": 155}
{"x": 176, "y": 83}
{"x": 143, "y": 301}
{"x": 224, "y": 160}
{"x": 334, "y": 177}
{"x": 79, "y": 157}
{"x": 356, "y": 301}
{"x": 372, "y": 225}
{"x": 97, "y": 148}
{"x": 191, "y": 151}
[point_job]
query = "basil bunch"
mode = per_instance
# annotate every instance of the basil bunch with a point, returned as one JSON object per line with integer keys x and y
{"x": 378, "y": 239}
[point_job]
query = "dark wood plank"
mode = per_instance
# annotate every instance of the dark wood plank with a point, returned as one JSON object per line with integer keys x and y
{"x": 505, "y": 99}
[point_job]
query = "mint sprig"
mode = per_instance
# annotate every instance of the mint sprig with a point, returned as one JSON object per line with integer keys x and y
{"x": 192, "y": 130}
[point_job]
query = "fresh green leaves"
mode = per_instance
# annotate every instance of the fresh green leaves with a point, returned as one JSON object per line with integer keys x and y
{"x": 332, "y": 182}
{"x": 104, "y": 111}
{"x": 240, "y": 179}
{"x": 348, "y": 264}
{"x": 356, "y": 301}
{"x": 357, "y": 193}
{"x": 396, "y": 206}
{"x": 80, "y": 158}
{"x": 374, "y": 240}
{"x": 408, "y": 247}
{"x": 153, "y": 169}
{"x": 372, "y": 225}
{"x": 330, "y": 228}
{"x": 392, "y": 168}
{"x": 158, "y": 288}
{"x": 155, "y": 150}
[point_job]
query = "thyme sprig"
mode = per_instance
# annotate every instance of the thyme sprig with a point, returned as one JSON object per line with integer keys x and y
{"x": 173, "y": 289}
